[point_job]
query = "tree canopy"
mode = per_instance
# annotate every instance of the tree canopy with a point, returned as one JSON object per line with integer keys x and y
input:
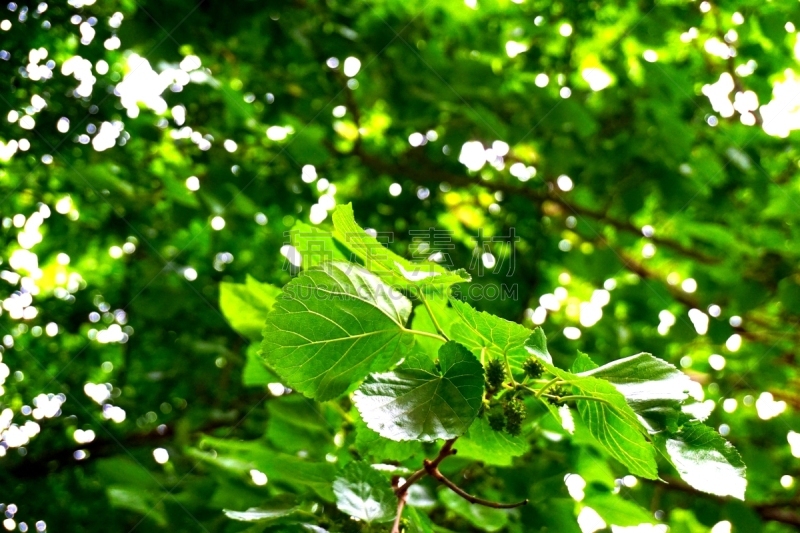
{"x": 267, "y": 266}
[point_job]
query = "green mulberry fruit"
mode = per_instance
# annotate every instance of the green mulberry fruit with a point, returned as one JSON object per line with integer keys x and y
{"x": 495, "y": 373}
{"x": 556, "y": 394}
{"x": 533, "y": 368}
{"x": 497, "y": 421}
{"x": 515, "y": 413}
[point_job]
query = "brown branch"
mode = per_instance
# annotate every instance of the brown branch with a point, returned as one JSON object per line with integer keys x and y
{"x": 431, "y": 468}
{"x": 401, "y": 502}
{"x": 447, "y": 450}
{"x": 689, "y": 301}
{"x": 434, "y": 473}
{"x": 784, "y": 515}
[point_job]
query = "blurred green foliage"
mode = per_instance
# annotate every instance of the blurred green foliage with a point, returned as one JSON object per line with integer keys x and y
{"x": 647, "y": 188}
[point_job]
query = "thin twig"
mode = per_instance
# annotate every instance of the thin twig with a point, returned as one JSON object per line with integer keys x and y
{"x": 546, "y": 386}
{"x": 434, "y": 473}
{"x": 419, "y": 170}
{"x": 431, "y": 468}
{"x": 402, "y": 490}
{"x": 581, "y": 397}
{"x": 447, "y": 449}
{"x": 508, "y": 369}
{"x": 413, "y": 478}
{"x": 401, "y": 502}
{"x": 425, "y": 334}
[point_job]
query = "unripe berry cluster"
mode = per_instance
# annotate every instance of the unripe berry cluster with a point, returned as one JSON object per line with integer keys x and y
{"x": 495, "y": 374}
{"x": 533, "y": 368}
{"x": 555, "y": 394}
{"x": 515, "y": 413}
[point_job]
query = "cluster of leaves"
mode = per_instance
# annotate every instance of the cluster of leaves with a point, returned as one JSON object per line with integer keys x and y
{"x": 341, "y": 326}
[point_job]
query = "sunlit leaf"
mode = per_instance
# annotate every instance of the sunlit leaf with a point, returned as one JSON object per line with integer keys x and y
{"x": 706, "y": 461}
{"x": 331, "y": 326}
{"x": 423, "y": 400}
{"x": 612, "y": 422}
{"x": 536, "y": 345}
{"x": 392, "y": 268}
{"x": 316, "y": 246}
{"x": 642, "y": 378}
{"x": 491, "y": 337}
{"x": 654, "y": 388}
{"x": 582, "y": 363}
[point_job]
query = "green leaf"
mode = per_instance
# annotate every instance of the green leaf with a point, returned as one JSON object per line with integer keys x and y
{"x": 706, "y": 461}
{"x": 421, "y": 400}
{"x": 298, "y": 424}
{"x": 245, "y": 305}
{"x": 370, "y": 444}
{"x": 562, "y": 414}
{"x": 489, "y": 337}
{"x": 255, "y": 373}
{"x": 642, "y": 379}
{"x": 582, "y": 363}
{"x": 391, "y": 268}
{"x": 285, "y": 505}
{"x": 333, "y": 325}
{"x": 618, "y": 511}
{"x": 418, "y": 521}
{"x": 613, "y": 423}
{"x": 483, "y": 518}
{"x": 145, "y": 503}
{"x": 536, "y": 345}
{"x": 558, "y": 515}
{"x": 491, "y": 447}
{"x": 421, "y": 321}
{"x": 593, "y": 468}
{"x": 241, "y": 456}
{"x": 363, "y": 493}
{"x": 653, "y": 388}
{"x": 316, "y": 246}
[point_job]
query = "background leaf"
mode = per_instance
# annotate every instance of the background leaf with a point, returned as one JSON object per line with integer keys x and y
{"x": 618, "y": 511}
{"x": 272, "y": 511}
{"x": 483, "y": 518}
{"x": 491, "y": 447}
{"x": 246, "y": 305}
{"x": 364, "y": 494}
